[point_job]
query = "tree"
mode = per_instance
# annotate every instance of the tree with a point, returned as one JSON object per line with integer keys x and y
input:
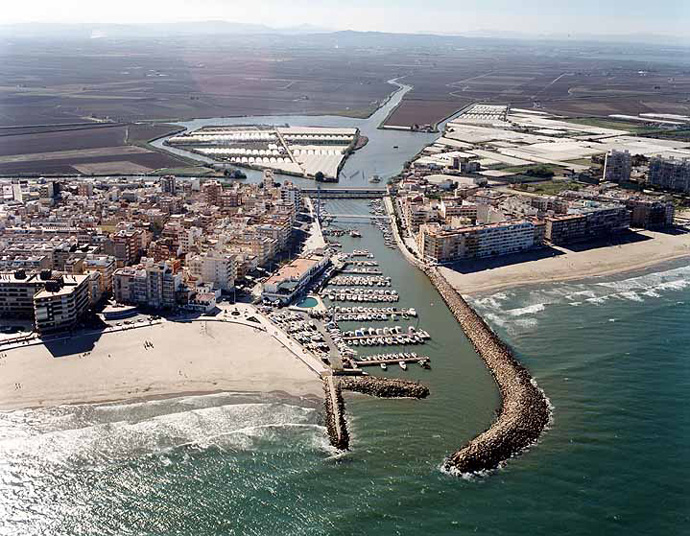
{"x": 319, "y": 176}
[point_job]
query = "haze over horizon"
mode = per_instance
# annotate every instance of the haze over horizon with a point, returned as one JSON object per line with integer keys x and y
{"x": 530, "y": 18}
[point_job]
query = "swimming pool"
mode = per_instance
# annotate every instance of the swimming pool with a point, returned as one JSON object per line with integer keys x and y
{"x": 308, "y": 303}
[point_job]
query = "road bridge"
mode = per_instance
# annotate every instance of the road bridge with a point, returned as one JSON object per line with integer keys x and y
{"x": 356, "y": 216}
{"x": 345, "y": 193}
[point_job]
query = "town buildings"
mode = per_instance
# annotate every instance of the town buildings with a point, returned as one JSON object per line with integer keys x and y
{"x": 617, "y": 166}
{"x": 292, "y": 279}
{"x": 157, "y": 243}
{"x": 457, "y": 225}
{"x": 669, "y": 174}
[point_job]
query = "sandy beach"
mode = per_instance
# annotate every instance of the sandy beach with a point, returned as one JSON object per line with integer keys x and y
{"x": 185, "y": 358}
{"x": 653, "y": 248}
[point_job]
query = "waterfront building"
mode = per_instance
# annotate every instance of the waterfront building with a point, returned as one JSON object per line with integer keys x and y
{"x": 61, "y": 303}
{"x": 588, "y": 220}
{"x": 439, "y": 243}
{"x": 566, "y": 228}
{"x": 105, "y": 265}
{"x": 152, "y": 284}
{"x": 17, "y": 291}
{"x": 293, "y": 278}
{"x": 617, "y": 166}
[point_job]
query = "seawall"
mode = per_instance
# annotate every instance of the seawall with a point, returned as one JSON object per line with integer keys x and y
{"x": 384, "y": 387}
{"x": 524, "y": 409}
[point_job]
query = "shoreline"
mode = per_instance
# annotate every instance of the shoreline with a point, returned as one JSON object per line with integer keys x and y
{"x": 605, "y": 261}
{"x": 280, "y": 396}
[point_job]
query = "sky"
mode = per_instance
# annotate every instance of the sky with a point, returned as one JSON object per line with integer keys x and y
{"x": 611, "y": 17}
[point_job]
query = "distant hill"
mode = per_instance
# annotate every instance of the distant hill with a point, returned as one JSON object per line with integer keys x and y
{"x": 335, "y": 38}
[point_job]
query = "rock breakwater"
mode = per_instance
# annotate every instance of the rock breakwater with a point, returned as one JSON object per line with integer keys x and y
{"x": 335, "y": 414}
{"x": 384, "y": 387}
{"x": 524, "y": 408}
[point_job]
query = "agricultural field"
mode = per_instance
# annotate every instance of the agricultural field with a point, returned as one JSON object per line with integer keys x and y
{"x": 105, "y": 88}
{"x": 90, "y": 148}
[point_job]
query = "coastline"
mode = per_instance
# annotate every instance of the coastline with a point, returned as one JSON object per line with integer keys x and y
{"x": 658, "y": 248}
{"x": 186, "y": 359}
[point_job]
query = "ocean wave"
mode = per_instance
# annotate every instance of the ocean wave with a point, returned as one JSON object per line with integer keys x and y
{"x": 519, "y": 309}
{"x": 227, "y": 427}
{"x": 529, "y": 310}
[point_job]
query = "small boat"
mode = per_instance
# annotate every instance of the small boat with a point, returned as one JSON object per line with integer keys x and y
{"x": 375, "y": 179}
{"x": 395, "y": 146}
{"x": 383, "y": 366}
{"x": 403, "y": 365}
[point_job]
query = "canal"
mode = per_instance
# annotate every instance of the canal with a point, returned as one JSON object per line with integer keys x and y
{"x": 463, "y": 394}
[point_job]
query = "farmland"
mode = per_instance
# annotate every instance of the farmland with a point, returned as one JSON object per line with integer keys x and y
{"x": 122, "y": 92}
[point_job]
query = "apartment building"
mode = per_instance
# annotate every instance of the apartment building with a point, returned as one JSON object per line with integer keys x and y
{"x": 17, "y": 291}
{"x": 587, "y": 220}
{"x": 214, "y": 268}
{"x": 446, "y": 244}
{"x": 617, "y": 166}
{"x": 151, "y": 284}
{"x": 61, "y": 303}
{"x": 670, "y": 174}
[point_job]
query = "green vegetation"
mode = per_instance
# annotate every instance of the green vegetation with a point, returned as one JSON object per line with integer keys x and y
{"x": 182, "y": 171}
{"x": 581, "y": 161}
{"x": 548, "y": 187}
{"x": 680, "y": 134}
{"x": 537, "y": 170}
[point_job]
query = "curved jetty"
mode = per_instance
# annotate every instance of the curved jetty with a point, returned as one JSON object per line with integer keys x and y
{"x": 335, "y": 414}
{"x": 524, "y": 409}
{"x": 384, "y": 387}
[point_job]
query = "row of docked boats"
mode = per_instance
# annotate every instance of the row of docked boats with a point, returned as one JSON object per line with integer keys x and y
{"x": 361, "y": 271}
{"x": 351, "y": 262}
{"x": 383, "y": 360}
{"x": 360, "y": 295}
{"x": 377, "y": 209}
{"x": 385, "y": 336}
{"x": 371, "y": 314}
{"x": 360, "y": 281}
{"x": 361, "y": 253}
